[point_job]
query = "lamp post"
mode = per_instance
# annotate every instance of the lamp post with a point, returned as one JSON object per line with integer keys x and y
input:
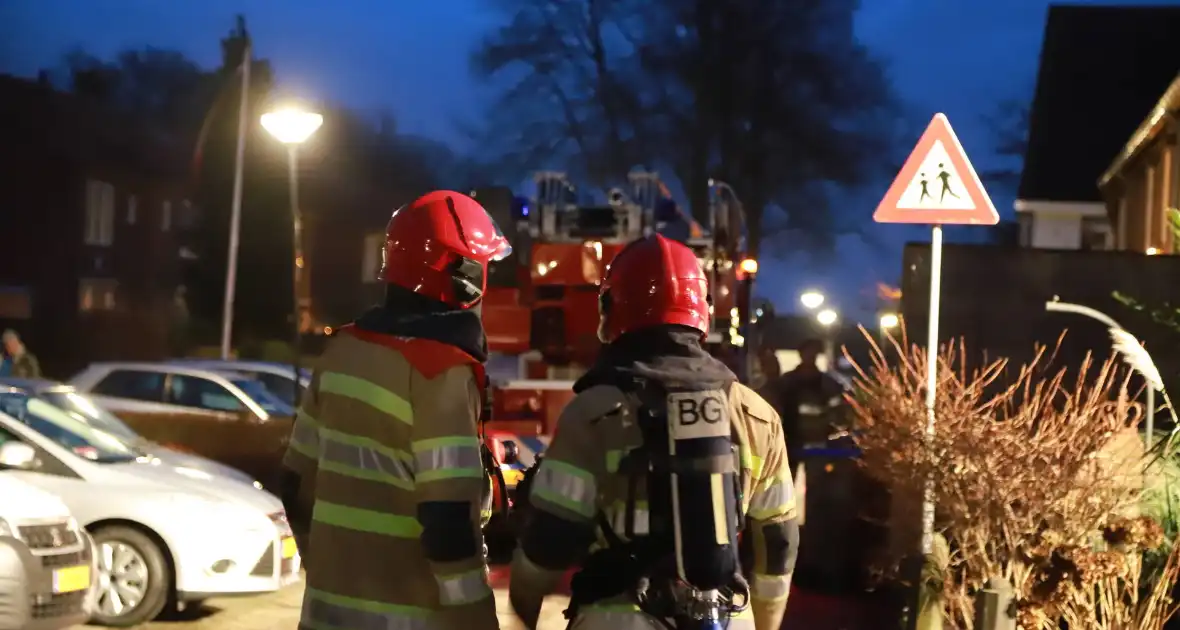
{"x": 292, "y": 127}
{"x": 1057, "y": 306}
{"x": 811, "y": 299}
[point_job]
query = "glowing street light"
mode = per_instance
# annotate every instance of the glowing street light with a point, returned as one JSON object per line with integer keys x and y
{"x": 812, "y": 299}
{"x": 293, "y": 126}
{"x": 826, "y": 317}
{"x": 889, "y": 321}
{"x": 290, "y": 125}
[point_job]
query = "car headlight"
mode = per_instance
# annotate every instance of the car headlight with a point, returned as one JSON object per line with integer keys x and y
{"x": 6, "y": 529}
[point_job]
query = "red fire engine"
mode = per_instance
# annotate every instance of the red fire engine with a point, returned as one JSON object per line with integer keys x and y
{"x": 541, "y": 307}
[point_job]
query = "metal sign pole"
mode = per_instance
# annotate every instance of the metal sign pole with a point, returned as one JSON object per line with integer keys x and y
{"x": 931, "y": 381}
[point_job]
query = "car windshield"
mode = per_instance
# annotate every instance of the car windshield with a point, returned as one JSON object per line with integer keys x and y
{"x": 266, "y": 399}
{"x": 84, "y": 409}
{"x": 66, "y": 430}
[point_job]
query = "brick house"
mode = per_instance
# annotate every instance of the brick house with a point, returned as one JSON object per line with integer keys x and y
{"x": 95, "y": 210}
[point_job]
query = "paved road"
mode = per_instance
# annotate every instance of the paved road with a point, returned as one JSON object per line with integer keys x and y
{"x": 280, "y": 611}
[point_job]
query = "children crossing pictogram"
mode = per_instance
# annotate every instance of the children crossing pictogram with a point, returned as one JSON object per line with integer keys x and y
{"x": 937, "y": 184}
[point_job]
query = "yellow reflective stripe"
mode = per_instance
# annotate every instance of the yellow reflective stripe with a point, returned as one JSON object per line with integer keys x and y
{"x": 775, "y": 500}
{"x": 566, "y": 486}
{"x": 613, "y": 459}
{"x": 772, "y": 588}
{"x": 450, "y": 457}
{"x": 754, "y": 463}
{"x": 327, "y": 611}
{"x": 305, "y": 435}
{"x": 361, "y": 520}
{"x": 462, "y": 588}
{"x": 377, "y": 397}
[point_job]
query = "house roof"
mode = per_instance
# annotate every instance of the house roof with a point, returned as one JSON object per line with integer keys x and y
{"x": 1102, "y": 69}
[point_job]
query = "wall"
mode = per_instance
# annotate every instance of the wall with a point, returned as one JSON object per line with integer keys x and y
{"x": 1056, "y": 231}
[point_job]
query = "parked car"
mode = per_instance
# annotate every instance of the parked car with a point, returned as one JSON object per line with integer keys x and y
{"x": 162, "y": 533}
{"x": 47, "y": 562}
{"x": 279, "y": 378}
{"x": 224, "y": 416}
{"x": 79, "y": 405}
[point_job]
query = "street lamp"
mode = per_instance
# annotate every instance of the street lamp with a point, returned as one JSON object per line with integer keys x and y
{"x": 293, "y": 126}
{"x": 826, "y": 317}
{"x": 889, "y": 321}
{"x": 812, "y": 299}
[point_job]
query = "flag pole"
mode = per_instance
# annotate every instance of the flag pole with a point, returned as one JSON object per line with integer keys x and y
{"x": 231, "y": 265}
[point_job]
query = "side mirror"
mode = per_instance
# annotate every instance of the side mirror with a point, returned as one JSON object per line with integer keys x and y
{"x": 17, "y": 456}
{"x": 511, "y": 452}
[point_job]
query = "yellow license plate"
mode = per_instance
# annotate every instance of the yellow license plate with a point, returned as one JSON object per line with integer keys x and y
{"x": 71, "y": 579}
{"x": 512, "y": 477}
{"x": 289, "y": 548}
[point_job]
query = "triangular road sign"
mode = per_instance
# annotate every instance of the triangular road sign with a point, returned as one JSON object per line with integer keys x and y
{"x": 937, "y": 185}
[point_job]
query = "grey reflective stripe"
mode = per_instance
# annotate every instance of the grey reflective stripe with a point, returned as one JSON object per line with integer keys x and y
{"x": 305, "y": 435}
{"x": 641, "y": 524}
{"x": 448, "y": 458}
{"x": 464, "y": 588}
{"x": 322, "y": 611}
{"x": 607, "y": 616}
{"x": 354, "y": 460}
{"x": 771, "y": 587}
{"x": 772, "y": 500}
{"x": 566, "y": 486}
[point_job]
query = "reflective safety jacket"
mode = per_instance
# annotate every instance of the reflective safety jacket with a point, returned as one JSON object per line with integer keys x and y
{"x": 387, "y": 447}
{"x": 579, "y": 477}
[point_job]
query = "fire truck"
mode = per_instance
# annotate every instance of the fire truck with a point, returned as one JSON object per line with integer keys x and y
{"x": 541, "y": 307}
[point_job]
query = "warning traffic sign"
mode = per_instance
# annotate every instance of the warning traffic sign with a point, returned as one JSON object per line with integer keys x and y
{"x": 937, "y": 185}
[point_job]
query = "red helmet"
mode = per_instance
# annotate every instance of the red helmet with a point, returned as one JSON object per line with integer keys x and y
{"x": 653, "y": 281}
{"x": 439, "y": 246}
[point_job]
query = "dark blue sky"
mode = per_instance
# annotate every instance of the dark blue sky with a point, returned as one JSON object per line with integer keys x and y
{"x": 409, "y": 57}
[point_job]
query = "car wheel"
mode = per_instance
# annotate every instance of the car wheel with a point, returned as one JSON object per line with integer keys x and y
{"x": 133, "y": 578}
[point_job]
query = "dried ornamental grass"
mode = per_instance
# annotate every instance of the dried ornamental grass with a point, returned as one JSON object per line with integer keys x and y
{"x": 1036, "y": 482}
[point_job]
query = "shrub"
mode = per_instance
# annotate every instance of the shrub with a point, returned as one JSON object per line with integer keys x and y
{"x": 1036, "y": 475}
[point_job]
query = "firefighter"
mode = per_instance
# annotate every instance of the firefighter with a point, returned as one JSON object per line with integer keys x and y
{"x": 658, "y": 465}
{"x": 385, "y": 484}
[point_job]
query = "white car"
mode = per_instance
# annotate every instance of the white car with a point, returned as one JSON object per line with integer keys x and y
{"x": 79, "y": 405}
{"x": 47, "y": 563}
{"x": 163, "y": 533}
{"x": 278, "y": 377}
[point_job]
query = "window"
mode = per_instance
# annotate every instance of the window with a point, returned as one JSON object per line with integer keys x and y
{"x": 372, "y": 257}
{"x": 280, "y": 386}
{"x": 166, "y": 216}
{"x": 194, "y": 391}
{"x": 1096, "y": 234}
{"x": 100, "y": 214}
{"x": 133, "y": 384}
{"x": 97, "y": 294}
{"x": 132, "y": 206}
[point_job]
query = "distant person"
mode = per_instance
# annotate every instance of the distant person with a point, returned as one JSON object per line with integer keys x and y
{"x": 18, "y": 361}
{"x": 803, "y": 397}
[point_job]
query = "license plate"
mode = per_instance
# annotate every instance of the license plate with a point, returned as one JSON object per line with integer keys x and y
{"x": 289, "y": 548}
{"x": 71, "y": 579}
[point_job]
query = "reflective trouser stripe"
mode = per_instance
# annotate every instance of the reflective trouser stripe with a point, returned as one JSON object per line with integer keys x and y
{"x": 774, "y": 500}
{"x": 325, "y": 611}
{"x": 305, "y": 435}
{"x": 370, "y": 521}
{"x": 771, "y": 587}
{"x": 447, "y": 458}
{"x": 463, "y": 588}
{"x": 627, "y": 617}
{"x": 373, "y": 395}
{"x": 566, "y": 486}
